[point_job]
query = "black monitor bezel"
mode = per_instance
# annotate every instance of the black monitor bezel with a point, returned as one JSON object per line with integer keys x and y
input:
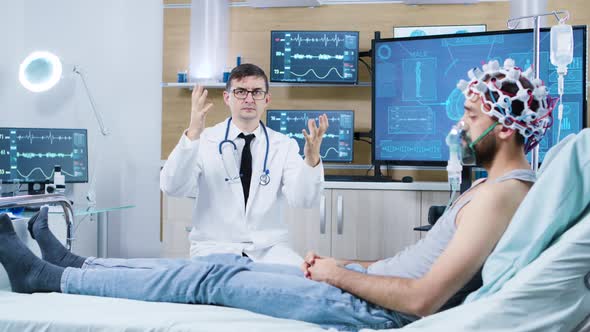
{"x": 12, "y": 181}
{"x": 316, "y": 82}
{"x": 312, "y": 110}
{"x": 429, "y": 163}
{"x": 439, "y": 26}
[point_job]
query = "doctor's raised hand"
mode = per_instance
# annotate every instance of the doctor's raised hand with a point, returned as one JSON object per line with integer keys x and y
{"x": 313, "y": 140}
{"x": 199, "y": 109}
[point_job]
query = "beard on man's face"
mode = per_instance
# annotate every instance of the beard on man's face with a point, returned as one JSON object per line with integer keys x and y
{"x": 486, "y": 150}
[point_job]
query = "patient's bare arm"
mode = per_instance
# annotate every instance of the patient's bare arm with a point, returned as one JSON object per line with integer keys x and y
{"x": 480, "y": 224}
{"x": 387, "y": 292}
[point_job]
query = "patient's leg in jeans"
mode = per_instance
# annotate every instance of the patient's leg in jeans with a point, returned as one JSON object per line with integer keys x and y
{"x": 54, "y": 252}
{"x": 156, "y": 263}
{"x": 273, "y": 294}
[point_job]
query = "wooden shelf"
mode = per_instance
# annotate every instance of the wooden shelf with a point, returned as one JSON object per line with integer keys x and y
{"x": 221, "y": 85}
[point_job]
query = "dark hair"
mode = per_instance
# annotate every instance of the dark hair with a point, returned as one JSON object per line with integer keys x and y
{"x": 517, "y": 106}
{"x": 246, "y": 70}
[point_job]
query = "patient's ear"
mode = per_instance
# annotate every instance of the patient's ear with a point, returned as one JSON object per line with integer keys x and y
{"x": 505, "y": 133}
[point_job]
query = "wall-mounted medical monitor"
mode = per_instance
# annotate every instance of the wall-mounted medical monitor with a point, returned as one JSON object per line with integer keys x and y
{"x": 29, "y": 155}
{"x": 338, "y": 140}
{"x": 314, "y": 56}
{"x": 415, "y": 99}
{"x": 434, "y": 30}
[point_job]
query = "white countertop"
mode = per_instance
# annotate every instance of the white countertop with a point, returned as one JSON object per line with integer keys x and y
{"x": 419, "y": 185}
{"x": 422, "y": 186}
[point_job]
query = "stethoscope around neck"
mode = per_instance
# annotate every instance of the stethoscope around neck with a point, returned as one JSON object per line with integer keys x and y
{"x": 264, "y": 178}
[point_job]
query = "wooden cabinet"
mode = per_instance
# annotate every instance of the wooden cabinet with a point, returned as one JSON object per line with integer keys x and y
{"x": 373, "y": 224}
{"x": 359, "y": 224}
{"x": 176, "y": 225}
{"x": 364, "y": 222}
{"x": 311, "y": 229}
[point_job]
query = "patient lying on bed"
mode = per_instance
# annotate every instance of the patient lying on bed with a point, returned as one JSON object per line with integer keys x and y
{"x": 432, "y": 275}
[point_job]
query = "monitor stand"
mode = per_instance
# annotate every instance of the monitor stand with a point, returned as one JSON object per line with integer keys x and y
{"x": 357, "y": 178}
{"x": 36, "y": 188}
{"x": 379, "y": 175}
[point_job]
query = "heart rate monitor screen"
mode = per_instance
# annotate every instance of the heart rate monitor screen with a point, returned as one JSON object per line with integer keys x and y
{"x": 29, "y": 155}
{"x": 416, "y": 101}
{"x": 337, "y": 141}
{"x": 314, "y": 56}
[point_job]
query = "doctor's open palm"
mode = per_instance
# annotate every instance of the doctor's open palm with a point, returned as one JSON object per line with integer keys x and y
{"x": 313, "y": 140}
{"x": 199, "y": 109}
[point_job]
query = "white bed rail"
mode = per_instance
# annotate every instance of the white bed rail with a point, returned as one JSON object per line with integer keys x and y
{"x": 39, "y": 200}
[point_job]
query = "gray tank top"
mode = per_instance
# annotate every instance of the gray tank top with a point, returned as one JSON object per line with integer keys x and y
{"x": 416, "y": 260}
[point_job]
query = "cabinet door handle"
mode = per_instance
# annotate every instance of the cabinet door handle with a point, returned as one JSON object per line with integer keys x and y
{"x": 323, "y": 215}
{"x": 340, "y": 212}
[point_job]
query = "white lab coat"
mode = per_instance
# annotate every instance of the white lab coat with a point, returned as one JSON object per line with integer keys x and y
{"x": 220, "y": 222}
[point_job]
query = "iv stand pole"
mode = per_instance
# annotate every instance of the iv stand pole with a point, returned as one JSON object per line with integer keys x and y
{"x": 513, "y": 24}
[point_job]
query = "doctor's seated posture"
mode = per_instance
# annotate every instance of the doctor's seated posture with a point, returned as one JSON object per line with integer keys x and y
{"x": 432, "y": 275}
{"x": 239, "y": 172}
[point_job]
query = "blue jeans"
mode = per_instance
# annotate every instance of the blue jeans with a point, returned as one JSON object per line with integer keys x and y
{"x": 233, "y": 281}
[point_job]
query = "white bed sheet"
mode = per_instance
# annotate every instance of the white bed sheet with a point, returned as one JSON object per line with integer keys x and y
{"x": 65, "y": 313}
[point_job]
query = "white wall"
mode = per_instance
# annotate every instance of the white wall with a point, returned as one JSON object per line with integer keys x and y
{"x": 118, "y": 45}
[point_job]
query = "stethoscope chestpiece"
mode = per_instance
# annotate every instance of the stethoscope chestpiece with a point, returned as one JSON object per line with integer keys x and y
{"x": 264, "y": 179}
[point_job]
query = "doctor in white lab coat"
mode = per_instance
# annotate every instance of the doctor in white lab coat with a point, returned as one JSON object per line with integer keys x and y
{"x": 227, "y": 218}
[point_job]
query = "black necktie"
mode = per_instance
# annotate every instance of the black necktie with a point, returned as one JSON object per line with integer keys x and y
{"x": 246, "y": 166}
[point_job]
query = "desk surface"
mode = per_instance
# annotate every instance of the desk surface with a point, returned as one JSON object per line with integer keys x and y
{"x": 412, "y": 186}
{"x": 94, "y": 210}
{"x": 77, "y": 212}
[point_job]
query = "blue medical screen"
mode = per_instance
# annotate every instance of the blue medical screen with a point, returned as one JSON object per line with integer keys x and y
{"x": 314, "y": 56}
{"x": 416, "y": 100}
{"x": 416, "y": 31}
{"x": 337, "y": 141}
{"x": 28, "y": 155}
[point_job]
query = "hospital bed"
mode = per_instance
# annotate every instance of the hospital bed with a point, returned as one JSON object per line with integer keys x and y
{"x": 549, "y": 292}
{"x": 538, "y": 276}
{"x": 64, "y": 312}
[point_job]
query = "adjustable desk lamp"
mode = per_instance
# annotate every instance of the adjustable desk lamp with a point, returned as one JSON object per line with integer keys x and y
{"x": 39, "y": 72}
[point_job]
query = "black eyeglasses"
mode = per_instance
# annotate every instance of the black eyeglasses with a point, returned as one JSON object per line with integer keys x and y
{"x": 257, "y": 94}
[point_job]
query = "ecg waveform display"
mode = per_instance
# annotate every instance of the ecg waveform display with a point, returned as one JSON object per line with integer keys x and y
{"x": 416, "y": 101}
{"x": 337, "y": 141}
{"x": 29, "y": 155}
{"x": 410, "y": 120}
{"x": 411, "y": 148}
{"x": 314, "y": 56}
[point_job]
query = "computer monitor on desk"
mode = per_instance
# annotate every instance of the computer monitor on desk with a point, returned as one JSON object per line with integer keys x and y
{"x": 365, "y": 178}
{"x": 314, "y": 56}
{"x": 29, "y": 155}
{"x": 416, "y": 102}
{"x": 337, "y": 142}
{"x": 433, "y": 30}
